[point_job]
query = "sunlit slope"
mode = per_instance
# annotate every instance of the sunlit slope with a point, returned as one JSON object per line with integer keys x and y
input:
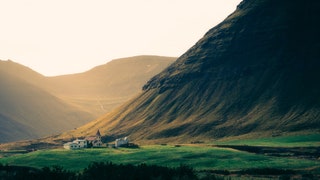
{"x": 27, "y": 111}
{"x": 107, "y": 86}
{"x": 256, "y": 73}
{"x": 20, "y": 71}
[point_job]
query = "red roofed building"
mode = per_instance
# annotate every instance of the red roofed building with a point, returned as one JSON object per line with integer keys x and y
{"x": 94, "y": 141}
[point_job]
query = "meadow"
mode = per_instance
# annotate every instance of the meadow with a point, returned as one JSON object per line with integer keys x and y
{"x": 306, "y": 140}
{"x": 197, "y": 157}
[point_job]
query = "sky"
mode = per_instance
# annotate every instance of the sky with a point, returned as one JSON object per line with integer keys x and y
{"x": 55, "y": 37}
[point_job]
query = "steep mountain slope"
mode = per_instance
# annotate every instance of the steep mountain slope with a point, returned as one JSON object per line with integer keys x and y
{"x": 257, "y": 73}
{"x": 104, "y": 87}
{"x": 27, "y": 111}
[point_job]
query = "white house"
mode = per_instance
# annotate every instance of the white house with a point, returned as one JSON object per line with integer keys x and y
{"x": 81, "y": 142}
{"x": 71, "y": 145}
{"x": 76, "y": 144}
{"x": 122, "y": 142}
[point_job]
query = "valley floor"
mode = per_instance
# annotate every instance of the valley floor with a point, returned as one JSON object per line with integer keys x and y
{"x": 232, "y": 159}
{"x": 205, "y": 159}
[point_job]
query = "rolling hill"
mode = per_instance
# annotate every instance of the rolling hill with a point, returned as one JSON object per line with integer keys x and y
{"x": 27, "y": 111}
{"x": 22, "y": 72}
{"x": 105, "y": 87}
{"x": 254, "y": 74}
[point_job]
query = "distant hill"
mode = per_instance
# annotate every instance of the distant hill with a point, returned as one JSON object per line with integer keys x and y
{"x": 254, "y": 74}
{"x": 22, "y": 72}
{"x": 105, "y": 87}
{"x": 27, "y": 111}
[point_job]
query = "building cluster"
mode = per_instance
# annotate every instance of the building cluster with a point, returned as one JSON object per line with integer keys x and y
{"x": 94, "y": 141}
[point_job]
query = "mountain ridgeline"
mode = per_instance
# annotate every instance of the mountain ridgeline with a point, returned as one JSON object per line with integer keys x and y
{"x": 256, "y": 73}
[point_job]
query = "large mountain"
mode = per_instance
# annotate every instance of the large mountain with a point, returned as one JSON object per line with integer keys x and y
{"x": 28, "y": 111}
{"x": 256, "y": 73}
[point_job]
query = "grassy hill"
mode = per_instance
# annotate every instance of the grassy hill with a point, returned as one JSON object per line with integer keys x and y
{"x": 28, "y": 111}
{"x": 105, "y": 87}
{"x": 255, "y": 74}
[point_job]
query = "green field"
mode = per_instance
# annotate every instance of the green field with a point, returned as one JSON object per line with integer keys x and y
{"x": 198, "y": 157}
{"x": 281, "y": 141}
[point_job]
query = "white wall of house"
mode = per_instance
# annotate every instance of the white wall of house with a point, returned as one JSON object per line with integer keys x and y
{"x": 121, "y": 142}
{"x": 81, "y": 142}
{"x": 71, "y": 145}
{"x": 76, "y": 144}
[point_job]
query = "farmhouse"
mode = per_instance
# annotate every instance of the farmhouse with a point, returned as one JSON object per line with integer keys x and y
{"x": 122, "y": 142}
{"x": 76, "y": 144}
{"x": 70, "y": 145}
{"x": 93, "y": 141}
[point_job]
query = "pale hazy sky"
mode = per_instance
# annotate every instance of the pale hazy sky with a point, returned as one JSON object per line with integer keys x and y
{"x": 66, "y": 36}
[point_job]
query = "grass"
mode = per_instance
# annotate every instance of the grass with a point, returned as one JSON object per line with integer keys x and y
{"x": 198, "y": 157}
{"x": 283, "y": 141}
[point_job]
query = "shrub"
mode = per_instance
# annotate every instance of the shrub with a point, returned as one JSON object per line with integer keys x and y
{"x": 110, "y": 171}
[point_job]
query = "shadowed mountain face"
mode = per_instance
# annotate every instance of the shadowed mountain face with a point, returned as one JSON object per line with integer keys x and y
{"x": 257, "y": 72}
{"x": 27, "y": 111}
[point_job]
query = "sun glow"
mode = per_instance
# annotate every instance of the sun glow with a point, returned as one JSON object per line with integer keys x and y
{"x": 59, "y": 37}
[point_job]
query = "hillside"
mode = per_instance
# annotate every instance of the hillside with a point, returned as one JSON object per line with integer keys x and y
{"x": 22, "y": 72}
{"x": 105, "y": 87}
{"x": 256, "y": 73}
{"x": 27, "y": 111}
{"x": 32, "y": 105}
